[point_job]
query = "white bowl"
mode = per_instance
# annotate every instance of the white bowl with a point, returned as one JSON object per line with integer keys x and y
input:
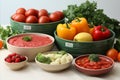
{"x": 54, "y": 68}
{"x": 17, "y": 66}
{"x": 30, "y": 52}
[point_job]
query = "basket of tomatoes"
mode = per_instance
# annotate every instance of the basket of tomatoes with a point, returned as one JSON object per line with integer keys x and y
{"x": 33, "y": 20}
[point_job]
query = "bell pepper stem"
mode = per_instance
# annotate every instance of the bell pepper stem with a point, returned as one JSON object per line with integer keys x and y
{"x": 67, "y": 25}
{"x": 77, "y": 19}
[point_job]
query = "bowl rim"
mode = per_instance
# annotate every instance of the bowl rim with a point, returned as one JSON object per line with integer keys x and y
{"x": 112, "y": 32}
{"x": 28, "y": 34}
{"x": 36, "y": 23}
{"x": 49, "y": 52}
{"x": 17, "y": 62}
{"x": 108, "y": 58}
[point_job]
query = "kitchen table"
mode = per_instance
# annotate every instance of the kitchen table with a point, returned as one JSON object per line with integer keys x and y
{"x": 33, "y": 72}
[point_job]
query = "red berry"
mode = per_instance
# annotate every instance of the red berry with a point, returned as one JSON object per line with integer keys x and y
{"x": 13, "y": 58}
{"x": 8, "y": 60}
{"x": 17, "y": 60}
{"x": 17, "y": 56}
{"x": 23, "y": 58}
{"x": 13, "y": 54}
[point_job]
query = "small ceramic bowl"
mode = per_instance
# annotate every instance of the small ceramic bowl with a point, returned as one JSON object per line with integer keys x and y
{"x": 55, "y": 67}
{"x": 93, "y": 72}
{"x": 80, "y": 48}
{"x": 18, "y": 65}
{"x": 30, "y": 52}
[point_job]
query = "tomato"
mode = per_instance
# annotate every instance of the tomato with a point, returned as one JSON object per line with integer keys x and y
{"x": 42, "y": 12}
{"x": 1, "y": 44}
{"x": 21, "y": 11}
{"x": 19, "y": 17}
{"x": 43, "y": 19}
{"x": 13, "y": 16}
{"x": 31, "y": 12}
{"x": 31, "y": 19}
{"x": 54, "y": 17}
{"x": 112, "y": 53}
{"x": 118, "y": 57}
{"x": 60, "y": 13}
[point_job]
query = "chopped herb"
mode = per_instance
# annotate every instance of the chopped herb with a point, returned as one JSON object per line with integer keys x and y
{"x": 27, "y": 38}
{"x": 93, "y": 57}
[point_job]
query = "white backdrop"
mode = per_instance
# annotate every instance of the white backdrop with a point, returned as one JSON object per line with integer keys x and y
{"x": 8, "y": 7}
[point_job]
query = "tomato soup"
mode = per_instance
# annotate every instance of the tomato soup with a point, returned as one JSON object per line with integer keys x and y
{"x": 86, "y": 63}
{"x": 36, "y": 40}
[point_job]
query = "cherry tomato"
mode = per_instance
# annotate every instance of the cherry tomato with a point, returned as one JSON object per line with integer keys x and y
{"x": 60, "y": 13}
{"x": 54, "y": 17}
{"x": 112, "y": 53}
{"x": 43, "y": 19}
{"x": 118, "y": 57}
{"x": 42, "y": 12}
{"x": 31, "y": 19}
{"x": 31, "y": 12}
{"x": 21, "y": 11}
{"x": 1, "y": 44}
{"x": 19, "y": 17}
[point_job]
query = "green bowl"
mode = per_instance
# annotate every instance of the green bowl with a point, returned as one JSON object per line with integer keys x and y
{"x": 79, "y": 48}
{"x": 47, "y": 28}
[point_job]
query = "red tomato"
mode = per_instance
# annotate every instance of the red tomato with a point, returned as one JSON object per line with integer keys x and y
{"x": 112, "y": 53}
{"x": 1, "y": 44}
{"x": 13, "y": 16}
{"x": 42, "y": 12}
{"x": 43, "y": 19}
{"x": 19, "y": 17}
{"x": 60, "y": 13}
{"x": 118, "y": 57}
{"x": 54, "y": 17}
{"x": 31, "y": 19}
{"x": 31, "y": 12}
{"x": 21, "y": 11}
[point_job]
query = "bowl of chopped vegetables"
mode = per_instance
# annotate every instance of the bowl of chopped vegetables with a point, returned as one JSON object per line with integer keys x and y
{"x": 93, "y": 64}
{"x": 54, "y": 60}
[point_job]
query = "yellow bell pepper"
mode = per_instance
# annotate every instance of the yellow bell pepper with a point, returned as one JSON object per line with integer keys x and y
{"x": 65, "y": 31}
{"x": 80, "y": 24}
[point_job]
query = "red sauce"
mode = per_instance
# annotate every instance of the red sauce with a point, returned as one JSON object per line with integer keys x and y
{"x": 36, "y": 41}
{"x": 86, "y": 63}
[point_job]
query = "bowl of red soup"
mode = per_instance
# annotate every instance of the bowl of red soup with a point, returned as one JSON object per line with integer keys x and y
{"x": 93, "y": 64}
{"x": 29, "y": 44}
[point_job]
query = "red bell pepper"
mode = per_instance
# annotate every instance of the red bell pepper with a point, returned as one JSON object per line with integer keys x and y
{"x": 100, "y": 33}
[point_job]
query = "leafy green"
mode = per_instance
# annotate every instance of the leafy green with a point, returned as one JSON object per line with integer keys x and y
{"x": 27, "y": 38}
{"x": 117, "y": 44}
{"x": 62, "y": 52}
{"x": 93, "y": 15}
{"x": 93, "y": 57}
{"x": 43, "y": 59}
{"x": 7, "y": 32}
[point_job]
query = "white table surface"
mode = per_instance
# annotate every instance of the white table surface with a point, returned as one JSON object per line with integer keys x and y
{"x": 33, "y": 72}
